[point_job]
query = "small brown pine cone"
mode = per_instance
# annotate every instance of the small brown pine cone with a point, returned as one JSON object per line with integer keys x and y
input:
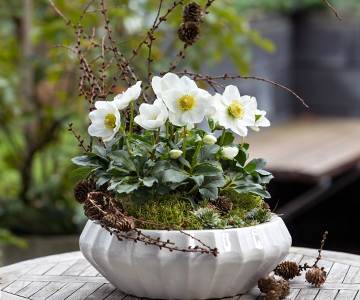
{"x": 284, "y": 289}
{"x": 192, "y": 12}
{"x": 272, "y": 295}
{"x": 94, "y": 205}
{"x": 189, "y": 32}
{"x": 223, "y": 204}
{"x": 316, "y": 276}
{"x": 268, "y": 283}
{"x": 287, "y": 270}
{"x": 266, "y": 206}
{"x": 109, "y": 220}
{"x": 81, "y": 189}
{"x": 126, "y": 224}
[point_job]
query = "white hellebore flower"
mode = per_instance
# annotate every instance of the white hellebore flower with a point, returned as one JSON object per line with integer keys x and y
{"x": 209, "y": 139}
{"x": 175, "y": 154}
{"x": 132, "y": 93}
{"x": 105, "y": 120}
{"x": 163, "y": 84}
{"x": 229, "y": 152}
{"x": 152, "y": 116}
{"x": 260, "y": 119}
{"x": 234, "y": 111}
{"x": 187, "y": 103}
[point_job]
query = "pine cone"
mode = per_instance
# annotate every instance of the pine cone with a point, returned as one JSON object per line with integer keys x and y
{"x": 287, "y": 270}
{"x": 189, "y": 32}
{"x": 268, "y": 283}
{"x": 110, "y": 220}
{"x": 223, "y": 204}
{"x": 316, "y": 276}
{"x": 266, "y": 206}
{"x": 192, "y": 12}
{"x": 126, "y": 224}
{"x": 92, "y": 211}
{"x": 81, "y": 189}
{"x": 284, "y": 289}
{"x": 272, "y": 295}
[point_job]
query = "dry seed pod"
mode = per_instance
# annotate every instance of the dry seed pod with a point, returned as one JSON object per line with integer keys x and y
{"x": 284, "y": 289}
{"x": 267, "y": 283}
{"x": 272, "y": 295}
{"x": 223, "y": 204}
{"x": 189, "y": 32}
{"x": 81, "y": 189}
{"x": 287, "y": 270}
{"x": 192, "y": 12}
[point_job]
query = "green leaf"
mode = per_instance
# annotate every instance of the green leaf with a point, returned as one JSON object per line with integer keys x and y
{"x": 198, "y": 179}
{"x": 206, "y": 152}
{"x": 191, "y": 200}
{"x": 260, "y": 163}
{"x": 103, "y": 179}
{"x": 250, "y": 167}
{"x": 242, "y": 156}
{"x": 141, "y": 195}
{"x": 211, "y": 123}
{"x": 210, "y": 186}
{"x": 114, "y": 166}
{"x": 112, "y": 142}
{"x": 175, "y": 185}
{"x": 266, "y": 179}
{"x": 228, "y": 138}
{"x": 162, "y": 189}
{"x": 159, "y": 168}
{"x": 93, "y": 160}
{"x": 148, "y": 181}
{"x": 207, "y": 170}
{"x": 122, "y": 123}
{"x": 184, "y": 161}
{"x": 101, "y": 150}
{"x": 122, "y": 157}
{"x": 127, "y": 188}
{"x": 82, "y": 172}
{"x": 140, "y": 162}
{"x": 173, "y": 175}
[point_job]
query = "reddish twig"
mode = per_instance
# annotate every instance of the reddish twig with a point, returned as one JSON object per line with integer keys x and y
{"x": 335, "y": 12}
{"x": 95, "y": 10}
{"x": 78, "y": 137}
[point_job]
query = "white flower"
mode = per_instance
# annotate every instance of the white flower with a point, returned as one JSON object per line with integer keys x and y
{"x": 105, "y": 120}
{"x": 163, "y": 84}
{"x": 229, "y": 152}
{"x": 260, "y": 119}
{"x": 153, "y": 116}
{"x": 132, "y": 93}
{"x": 234, "y": 111}
{"x": 187, "y": 103}
{"x": 175, "y": 154}
{"x": 209, "y": 139}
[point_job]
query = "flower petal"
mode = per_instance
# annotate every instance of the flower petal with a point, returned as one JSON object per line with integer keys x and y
{"x": 185, "y": 84}
{"x": 231, "y": 93}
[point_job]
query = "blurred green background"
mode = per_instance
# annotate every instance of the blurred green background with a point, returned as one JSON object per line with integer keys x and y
{"x": 38, "y": 90}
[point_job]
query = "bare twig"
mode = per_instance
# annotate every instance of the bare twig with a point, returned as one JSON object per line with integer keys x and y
{"x": 78, "y": 137}
{"x": 95, "y": 10}
{"x": 335, "y": 12}
{"x": 321, "y": 247}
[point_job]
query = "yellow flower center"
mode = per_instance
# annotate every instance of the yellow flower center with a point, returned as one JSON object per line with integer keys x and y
{"x": 236, "y": 110}
{"x": 154, "y": 118}
{"x": 110, "y": 121}
{"x": 186, "y": 102}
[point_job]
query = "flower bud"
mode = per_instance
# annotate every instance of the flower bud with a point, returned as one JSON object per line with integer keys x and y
{"x": 229, "y": 152}
{"x": 209, "y": 140}
{"x": 175, "y": 154}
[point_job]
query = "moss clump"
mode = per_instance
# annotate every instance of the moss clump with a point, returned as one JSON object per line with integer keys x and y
{"x": 173, "y": 209}
{"x": 170, "y": 209}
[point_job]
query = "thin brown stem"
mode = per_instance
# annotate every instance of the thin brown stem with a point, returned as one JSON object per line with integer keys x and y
{"x": 95, "y": 10}
{"x": 335, "y": 12}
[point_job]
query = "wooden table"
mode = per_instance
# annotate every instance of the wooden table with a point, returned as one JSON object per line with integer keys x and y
{"x": 69, "y": 276}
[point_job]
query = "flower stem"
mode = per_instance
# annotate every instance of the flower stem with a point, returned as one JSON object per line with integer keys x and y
{"x": 154, "y": 143}
{"x": 131, "y": 117}
{"x": 167, "y": 134}
{"x": 243, "y": 141}
{"x": 126, "y": 142}
{"x": 222, "y": 137}
{"x": 195, "y": 156}
{"x": 184, "y": 142}
{"x": 171, "y": 132}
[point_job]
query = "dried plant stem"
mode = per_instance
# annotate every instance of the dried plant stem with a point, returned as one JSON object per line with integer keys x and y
{"x": 96, "y": 10}
{"x": 321, "y": 247}
{"x": 78, "y": 137}
{"x": 211, "y": 79}
{"x": 335, "y": 12}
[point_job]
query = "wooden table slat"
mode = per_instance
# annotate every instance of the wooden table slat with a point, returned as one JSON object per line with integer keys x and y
{"x": 327, "y": 295}
{"x": 16, "y": 286}
{"x": 31, "y": 289}
{"x": 48, "y": 290}
{"x": 60, "y": 268}
{"x": 308, "y": 294}
{"x": 346, "y": 295}
{"x": 79, "y": 267}
{"x": 41, "y": 269}
{"x": 66, "y": 291}
{"x": 337, "y": 273}
{"x": 352, "y": 275}
{"x": 86, "y": 290}
{"x": 101, "y": 293}
{"x": 116, "y": 295}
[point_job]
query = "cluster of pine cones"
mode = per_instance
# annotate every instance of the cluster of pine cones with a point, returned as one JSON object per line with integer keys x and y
{"x": 222, "y": 204}
{"x": 192, "y": 15}
{"x": 99, "y": 205}
{"x": 276, "y": 290}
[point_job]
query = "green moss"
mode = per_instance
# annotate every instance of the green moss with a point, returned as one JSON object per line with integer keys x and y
{"x": 172, "y": 209}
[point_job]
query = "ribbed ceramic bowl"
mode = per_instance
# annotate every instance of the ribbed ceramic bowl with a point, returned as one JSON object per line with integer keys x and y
{"x": 245, "y": 255}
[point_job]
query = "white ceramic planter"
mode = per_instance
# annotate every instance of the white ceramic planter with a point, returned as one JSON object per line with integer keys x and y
{"x": 245, "y": 255}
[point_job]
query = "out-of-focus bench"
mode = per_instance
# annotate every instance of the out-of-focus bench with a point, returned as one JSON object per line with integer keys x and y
{"x": 312, "y": 149}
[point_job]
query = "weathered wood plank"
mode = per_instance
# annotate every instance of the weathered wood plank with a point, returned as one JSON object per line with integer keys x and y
{"x": 294, "y": 257}
{"x": 66, "y": 291}
{"x": 7, "y": 296}
{"x": 31, "y": 289}
{"x": 90, "y": 271}
{"x": 357, "y": 296}
{"x": 337, "y": 273}
{"x": 86, "y": 290}
{"x": 64, "y": 278}
{"x": 327, "y": 294}
{"x": 61, "y": 267}
{"x": 47, "y": 291}
{"x": 128, "y": 297}
{"x": 346, "y": 295}
{"x": 41, "y": 269}
{"x": 308, "y": 294}
{"x": 116, "y": 295}
{"x": 77, "y": 268}
{"x": 293, "y": 293}
{"x": 16, "y": 286}
{"x": 101, "y": 293}
{"x": 353, "y": 275}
